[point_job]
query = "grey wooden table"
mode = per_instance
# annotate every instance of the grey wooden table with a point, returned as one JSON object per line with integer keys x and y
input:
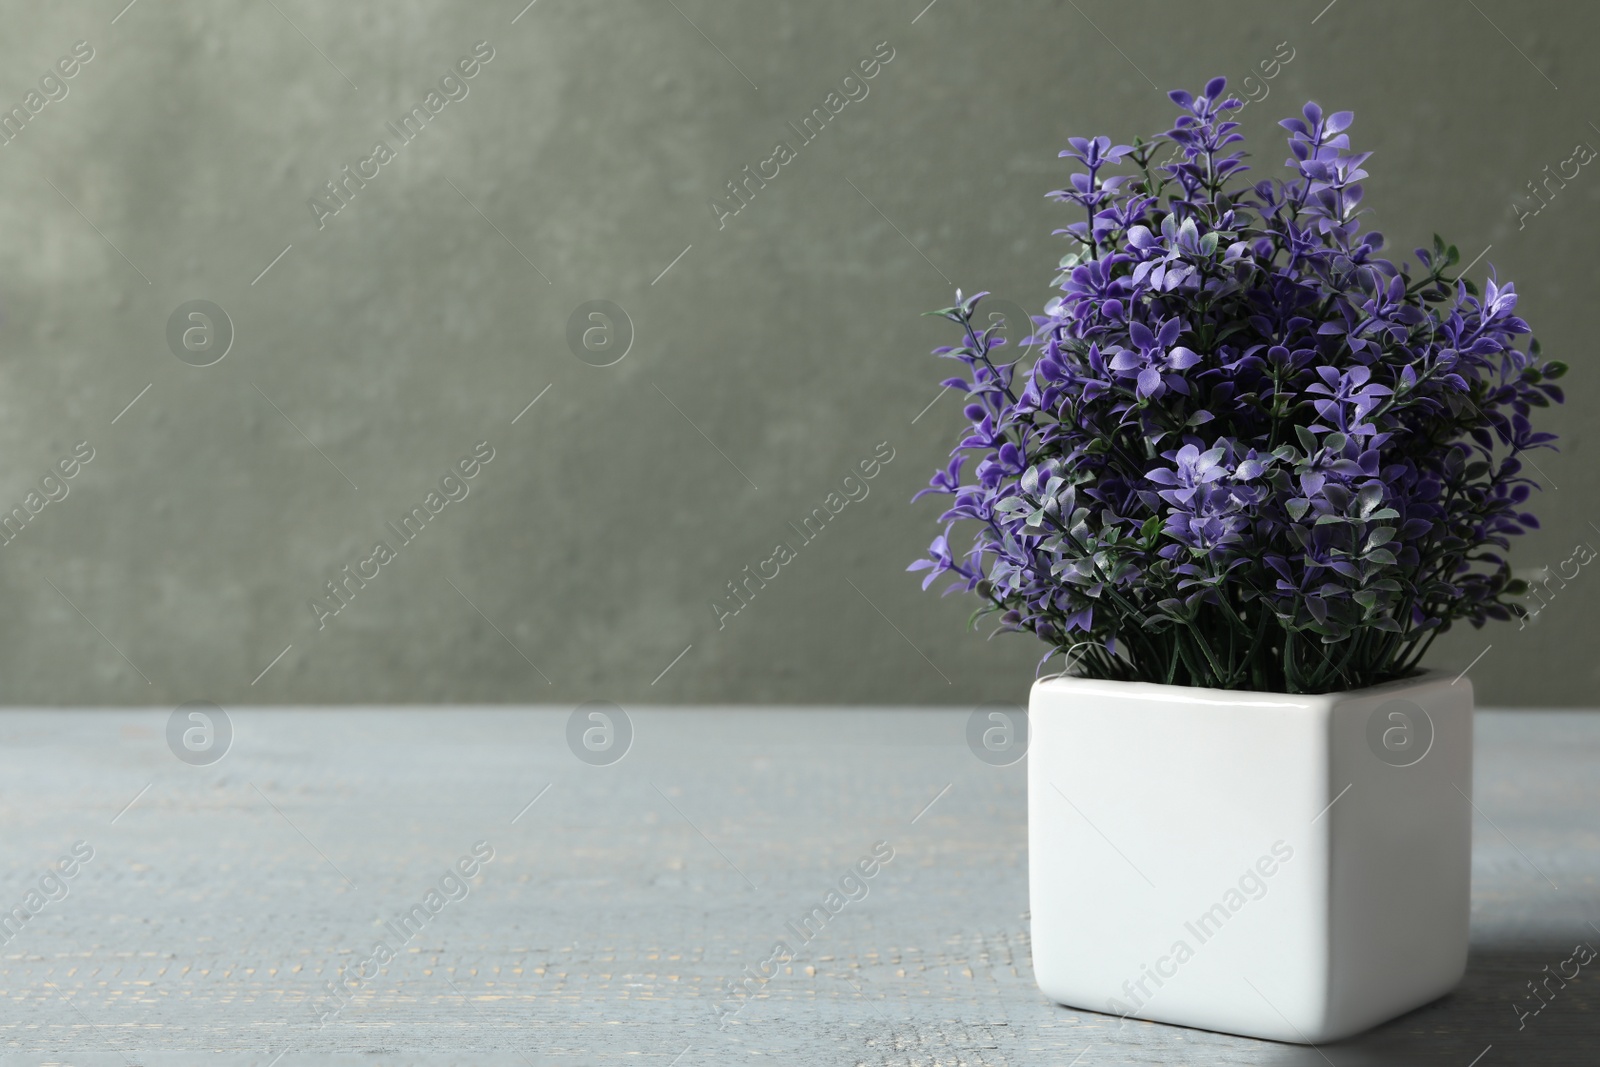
{"x": 222, "y": 902}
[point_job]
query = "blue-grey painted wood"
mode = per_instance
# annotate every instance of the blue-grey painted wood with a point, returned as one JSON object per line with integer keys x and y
{"x": 617, "y": 909}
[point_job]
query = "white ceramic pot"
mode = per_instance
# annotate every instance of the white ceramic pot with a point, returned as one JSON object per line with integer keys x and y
{"x": 1287, "y": 867}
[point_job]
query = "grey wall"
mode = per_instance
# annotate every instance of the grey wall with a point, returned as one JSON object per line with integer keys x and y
{"x": 776, "y": 354}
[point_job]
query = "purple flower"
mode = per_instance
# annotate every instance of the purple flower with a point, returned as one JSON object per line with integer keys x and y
{"x": 1194, "y": 470}
{"x": 1352, "y": 395}
{"x": 1154, "y": 358}
{"x": 1359, "y": 479}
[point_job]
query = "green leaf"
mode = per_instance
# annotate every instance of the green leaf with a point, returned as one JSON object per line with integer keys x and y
{"x": 1369, "y": 497}
{"x": 1554, "y": 368}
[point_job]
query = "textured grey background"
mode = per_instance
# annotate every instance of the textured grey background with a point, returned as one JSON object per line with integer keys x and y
{"x": 407, "y": 329}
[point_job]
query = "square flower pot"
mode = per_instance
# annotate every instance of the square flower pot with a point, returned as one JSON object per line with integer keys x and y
{"x": 1286, "y": 867}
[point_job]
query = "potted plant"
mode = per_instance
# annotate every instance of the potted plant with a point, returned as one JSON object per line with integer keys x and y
{"x": 1252, "y": 471}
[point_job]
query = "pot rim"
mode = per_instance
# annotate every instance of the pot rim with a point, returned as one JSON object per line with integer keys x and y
{"x": 1235, "y": 697}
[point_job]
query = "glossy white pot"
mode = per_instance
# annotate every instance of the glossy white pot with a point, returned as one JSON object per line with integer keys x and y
{"x": 1287, "y": 867}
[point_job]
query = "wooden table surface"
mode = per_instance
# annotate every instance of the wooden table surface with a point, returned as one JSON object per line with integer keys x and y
{"x": 616, "y": 911}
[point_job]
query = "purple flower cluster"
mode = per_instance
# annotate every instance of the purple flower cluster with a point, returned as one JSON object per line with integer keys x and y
{"x": 1250, "y": 453}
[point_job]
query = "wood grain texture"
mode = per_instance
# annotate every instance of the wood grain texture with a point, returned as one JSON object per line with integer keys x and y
{"x": 618, "y": 907}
